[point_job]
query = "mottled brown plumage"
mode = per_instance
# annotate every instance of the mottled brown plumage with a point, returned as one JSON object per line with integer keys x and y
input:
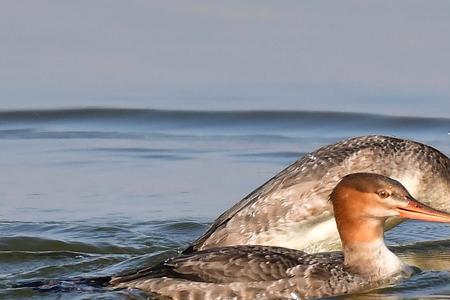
{"x": 242, "y": 272}
{"x": 292, "y": 208}
{"x": 265, "y": 272}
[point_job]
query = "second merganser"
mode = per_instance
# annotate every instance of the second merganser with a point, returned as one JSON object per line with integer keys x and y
{"x": 362, "y": 202}
{"x": 292, "y": 210}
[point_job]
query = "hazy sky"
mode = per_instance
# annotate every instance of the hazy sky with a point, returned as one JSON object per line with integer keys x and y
{"x": 373, "y": 56}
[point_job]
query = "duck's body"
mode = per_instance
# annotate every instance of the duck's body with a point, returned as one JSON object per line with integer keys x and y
{"x": 362, "y": 202}
{"x": 292, "y": 210}
{"x": 254, "y": 272}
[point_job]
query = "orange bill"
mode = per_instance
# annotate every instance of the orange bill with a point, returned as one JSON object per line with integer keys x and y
{"x": 418, "y": 211}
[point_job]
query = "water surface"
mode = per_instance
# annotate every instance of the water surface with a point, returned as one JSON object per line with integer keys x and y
{"x": 87, "y": 192}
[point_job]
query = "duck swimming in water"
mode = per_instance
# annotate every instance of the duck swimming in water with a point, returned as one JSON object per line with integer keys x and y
{"x": 362, "y": 202}
{"x": 292, "y": 209}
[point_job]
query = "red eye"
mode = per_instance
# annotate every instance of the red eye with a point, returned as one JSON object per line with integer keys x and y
{"x": 383, "y": 194}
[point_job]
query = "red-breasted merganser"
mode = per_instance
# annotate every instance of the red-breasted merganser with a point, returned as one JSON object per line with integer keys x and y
{"x": 292, "y": 210}
{"x": 362, "y": 202}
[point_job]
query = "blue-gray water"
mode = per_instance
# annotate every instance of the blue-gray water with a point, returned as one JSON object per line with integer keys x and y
{"x": 88, "y": 192}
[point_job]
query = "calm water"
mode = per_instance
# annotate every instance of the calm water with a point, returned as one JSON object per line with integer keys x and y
{"x": 98, "y": 191}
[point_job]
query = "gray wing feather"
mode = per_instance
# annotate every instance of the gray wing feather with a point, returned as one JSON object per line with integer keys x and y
{"x": 231, "y": 264}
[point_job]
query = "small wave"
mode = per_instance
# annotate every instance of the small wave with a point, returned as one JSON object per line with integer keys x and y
{"x": 420, "y": 282}
{"x": 71, "y": 268}
{"x": 276, "y": 154}
{"x": 21, "y": 256}
{"x": 183, "y": 118}
{"x": 66, "y": 134}
{"x": 427, "y": 255}
{"x": 37, "y": 244}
